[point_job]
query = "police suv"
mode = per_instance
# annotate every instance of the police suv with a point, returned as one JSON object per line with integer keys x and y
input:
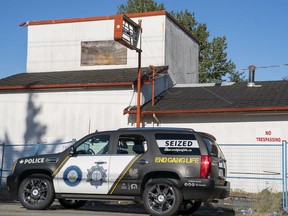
{"x": 169, "y": 169}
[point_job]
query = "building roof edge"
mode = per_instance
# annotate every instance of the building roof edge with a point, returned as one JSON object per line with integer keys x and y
{"x": 94, "y": 18}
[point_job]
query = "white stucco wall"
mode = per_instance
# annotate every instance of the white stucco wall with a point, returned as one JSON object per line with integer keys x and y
{"x": 181, "y": 54}
{"x": 54, "y": 116}
{"x": 57, "y": 47}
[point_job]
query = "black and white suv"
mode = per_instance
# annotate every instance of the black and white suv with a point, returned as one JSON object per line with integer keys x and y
{"x": 169, "y": 169}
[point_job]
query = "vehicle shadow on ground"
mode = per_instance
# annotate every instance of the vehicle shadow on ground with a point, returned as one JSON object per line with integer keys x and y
{"x": 123, "y": 207}
{"x": 138, "y": 208}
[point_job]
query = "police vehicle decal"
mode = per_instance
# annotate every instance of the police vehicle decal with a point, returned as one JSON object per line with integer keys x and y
{"x": 97, "y": 175}
{"x": 177, "y": 146}
{"x": 72, "y": 176}
{"x": 100, "y": 174}
{"x": 133, "y": 173}
{"x": 177, "y": 143}
{"x": 39, "y": 160}
{"x": 60, "y": 166}
{"x": 116, "y": 183}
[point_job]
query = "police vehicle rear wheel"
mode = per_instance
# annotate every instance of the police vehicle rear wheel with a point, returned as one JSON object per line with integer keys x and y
{"x": 72, "y": 204}
{"x": 162, "y": 198}
{"x": 36, "y": 192}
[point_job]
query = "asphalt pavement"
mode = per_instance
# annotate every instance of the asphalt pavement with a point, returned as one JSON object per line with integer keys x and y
{"x": 99, "y": 208}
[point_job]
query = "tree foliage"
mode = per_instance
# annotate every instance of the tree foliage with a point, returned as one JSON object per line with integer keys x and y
{"x": 213, "y": 62}
{"x": 139, "y": 6}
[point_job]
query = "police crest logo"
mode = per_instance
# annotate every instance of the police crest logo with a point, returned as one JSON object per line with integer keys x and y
{"x": 72, "y": 176}
{"x": 96, "y": 175}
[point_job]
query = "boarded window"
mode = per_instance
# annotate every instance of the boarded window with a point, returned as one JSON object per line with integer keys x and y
{"x": 103, "y": 53}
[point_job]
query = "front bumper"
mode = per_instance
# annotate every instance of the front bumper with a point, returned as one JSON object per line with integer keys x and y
{"x": 12, "y": 184}
{"x": 205, "y": 190}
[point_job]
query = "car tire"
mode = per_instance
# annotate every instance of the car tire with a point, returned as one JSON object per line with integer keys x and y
{"x": 72, "y": 204}
{"x": 36, "y": 192}
{"x": 189, "y": 207}
{"x": 162, "y": 197}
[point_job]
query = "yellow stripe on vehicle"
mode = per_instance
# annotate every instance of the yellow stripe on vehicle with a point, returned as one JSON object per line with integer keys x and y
{"x": 124, "y": 173}
{"x": 60, "y": 166}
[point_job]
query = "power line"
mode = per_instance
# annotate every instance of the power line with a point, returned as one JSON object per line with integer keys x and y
{"x": 244, "y": 69}
{"x": 266, "y": 67}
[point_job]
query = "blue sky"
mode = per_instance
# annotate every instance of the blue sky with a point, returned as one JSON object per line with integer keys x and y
{"x": 256, "y": 30}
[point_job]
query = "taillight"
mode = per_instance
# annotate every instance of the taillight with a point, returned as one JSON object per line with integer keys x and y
{"x": 205, "y": 168}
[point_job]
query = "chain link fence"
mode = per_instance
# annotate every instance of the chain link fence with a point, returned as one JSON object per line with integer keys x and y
{"x": 254, "y": 167}
{"x": 10, "y": 153}
{"x": 258, "y": 176}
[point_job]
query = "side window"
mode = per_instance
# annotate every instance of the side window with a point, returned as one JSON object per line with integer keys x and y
{"x": 131, "y": 144}
{"x": 96, "y": 145}
{"x": 177, "y": 144}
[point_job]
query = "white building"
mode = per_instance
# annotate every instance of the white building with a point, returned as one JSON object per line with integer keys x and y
{"x": 79, "y": 79}
{"x": 88, "y": 44}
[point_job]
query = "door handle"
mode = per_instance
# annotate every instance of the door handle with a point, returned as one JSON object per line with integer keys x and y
{"x": 143, "y": 162}
{"x": 101, "y": 162}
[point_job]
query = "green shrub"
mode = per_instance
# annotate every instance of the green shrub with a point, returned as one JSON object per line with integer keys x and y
{"x": 267, "y": 201}
{"x": 262, "y": 202}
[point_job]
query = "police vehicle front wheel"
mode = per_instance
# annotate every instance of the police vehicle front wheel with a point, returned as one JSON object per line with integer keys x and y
{"x": 162, "y": 197}
{"x": 36, "y": 192}
{"x": 72, "y": 204}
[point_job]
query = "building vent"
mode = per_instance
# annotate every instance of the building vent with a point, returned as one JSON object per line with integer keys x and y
{"x": 251, "y": 80}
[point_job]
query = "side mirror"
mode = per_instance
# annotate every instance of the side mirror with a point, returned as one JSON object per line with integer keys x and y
{"x": 71, "y": 151}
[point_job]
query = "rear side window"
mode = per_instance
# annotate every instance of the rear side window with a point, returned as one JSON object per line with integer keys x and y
{"x": 131, "y": 144}
{"x": 177, "y": 144}
{"x": 213, "y": 148}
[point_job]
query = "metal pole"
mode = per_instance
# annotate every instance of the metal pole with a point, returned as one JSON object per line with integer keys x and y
{"x": 2, "y": 164}
{"x": 284, "y": 175}
{"x": 153, "y": 84}
{"x": 138, "y": 114}
{"x": 283, "y": 181}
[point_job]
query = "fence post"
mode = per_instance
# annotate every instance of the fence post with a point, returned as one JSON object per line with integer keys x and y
{"x": 284, "y": 175}
{"x": 2, "y": 163}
